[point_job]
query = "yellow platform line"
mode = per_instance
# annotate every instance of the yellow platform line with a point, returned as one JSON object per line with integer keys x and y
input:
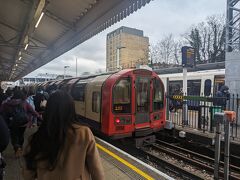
{"x": 134, "y": 168}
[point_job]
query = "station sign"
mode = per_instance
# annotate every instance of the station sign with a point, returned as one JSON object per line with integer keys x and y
{"x": 177, "y": 97}
{"x": 188, "y": 56}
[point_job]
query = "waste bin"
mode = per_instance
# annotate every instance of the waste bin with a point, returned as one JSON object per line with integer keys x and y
{"x": 213, "y": 110}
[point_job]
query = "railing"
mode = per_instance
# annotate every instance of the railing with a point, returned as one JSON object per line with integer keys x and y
{"x": 200, "y": 112}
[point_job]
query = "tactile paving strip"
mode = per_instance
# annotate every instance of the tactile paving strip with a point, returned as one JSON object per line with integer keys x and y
{"x": 126, "y": 170}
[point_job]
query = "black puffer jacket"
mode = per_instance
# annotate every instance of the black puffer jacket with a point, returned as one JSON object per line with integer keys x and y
{"x": 4, "y": 135}
{"x": 224, "y": 89}
{"x": 222, "y": 96}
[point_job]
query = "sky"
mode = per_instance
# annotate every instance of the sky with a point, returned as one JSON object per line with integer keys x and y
{"x": 157, "y": 19}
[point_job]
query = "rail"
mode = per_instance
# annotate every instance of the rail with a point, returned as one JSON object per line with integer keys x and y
{"x": 190, "y": 164}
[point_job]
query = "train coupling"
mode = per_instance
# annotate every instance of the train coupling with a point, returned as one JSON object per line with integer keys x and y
{"x": 146, "y": 140}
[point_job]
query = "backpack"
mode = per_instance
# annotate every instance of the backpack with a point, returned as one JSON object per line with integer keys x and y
{"x": 19, "y": 117}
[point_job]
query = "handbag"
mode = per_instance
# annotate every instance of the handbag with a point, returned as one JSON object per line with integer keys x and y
{"x": 43, "y": 103}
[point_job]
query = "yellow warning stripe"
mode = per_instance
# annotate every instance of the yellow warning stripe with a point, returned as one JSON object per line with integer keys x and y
{"x": 134, "y": 168}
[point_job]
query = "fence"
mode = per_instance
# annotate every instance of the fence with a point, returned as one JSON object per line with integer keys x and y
{"x": 200, "y": 112}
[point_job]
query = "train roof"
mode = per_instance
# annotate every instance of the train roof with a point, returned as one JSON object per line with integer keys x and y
{"x": 198, "y": 67}
{"x": 196, "y": 73}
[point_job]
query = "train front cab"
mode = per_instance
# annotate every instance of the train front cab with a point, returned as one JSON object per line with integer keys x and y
{"x": 136, "y": 102}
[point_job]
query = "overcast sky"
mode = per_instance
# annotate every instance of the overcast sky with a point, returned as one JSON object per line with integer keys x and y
{"x": 157, "y": 19}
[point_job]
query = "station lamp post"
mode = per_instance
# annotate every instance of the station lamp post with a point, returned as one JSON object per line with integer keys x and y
{"x": 65, "y": 67}
{"x": 118, "y": 56}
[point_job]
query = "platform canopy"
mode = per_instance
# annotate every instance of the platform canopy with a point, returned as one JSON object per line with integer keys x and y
{"x": 34, "y": 32}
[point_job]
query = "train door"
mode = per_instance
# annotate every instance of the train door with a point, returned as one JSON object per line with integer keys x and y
{"x": 142, "y": 85}
{"x": 218, "y": 83}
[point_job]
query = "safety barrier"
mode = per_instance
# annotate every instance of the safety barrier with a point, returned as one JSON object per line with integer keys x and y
{"x": 198, "y": 112}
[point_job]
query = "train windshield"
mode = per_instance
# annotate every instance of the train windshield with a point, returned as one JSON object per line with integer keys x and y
{"x": 157, "y": 95}
{"x": 121, "y": 96}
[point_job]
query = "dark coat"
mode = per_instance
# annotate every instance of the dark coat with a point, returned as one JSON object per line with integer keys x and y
{"x": 222, "y": 96}
{"x": 38, "y": 98}
{"x": 4, "y": 135}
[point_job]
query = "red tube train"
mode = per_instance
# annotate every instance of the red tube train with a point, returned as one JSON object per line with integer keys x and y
{"x": 122, "y": 104}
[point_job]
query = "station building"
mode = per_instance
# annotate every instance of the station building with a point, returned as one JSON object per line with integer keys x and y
{"x": 126, "y": 48}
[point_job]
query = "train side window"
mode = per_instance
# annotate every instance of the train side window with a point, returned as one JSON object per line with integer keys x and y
{"x": 78, "y": 92}
{"x": 157, "y": 95}
{"x": 175, "y": 87}
{"x": 194, "y": 87}
{"x": 121, "y": 96}
{"x": 96, "y": 102}
{"x": 207, "y": 87}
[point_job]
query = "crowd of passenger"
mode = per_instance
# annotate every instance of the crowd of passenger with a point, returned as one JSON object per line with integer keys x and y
{"x": 61, "y": 145}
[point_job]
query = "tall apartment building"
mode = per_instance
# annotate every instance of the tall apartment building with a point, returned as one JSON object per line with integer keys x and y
{"x": 126, "y": 48}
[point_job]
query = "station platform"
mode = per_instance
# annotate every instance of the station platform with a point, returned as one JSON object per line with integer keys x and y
{"x": 206, "y": 135}
{"x": 207, "y": 138}
{"x": 117, "y": 164}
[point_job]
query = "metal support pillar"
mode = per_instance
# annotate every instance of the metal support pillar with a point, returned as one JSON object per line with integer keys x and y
{"x": 217, "y": 151}
{"x": 167, "y": 99}
{"x": 230, "y": 117}
{"x": 184, "y": 81}
{"x": 185, "y": 113}
{"x": 232, "y": 55}
{"x": 200, "y": 117}
{"x": 226, "y": 149}
{"x": 218, "y": 120}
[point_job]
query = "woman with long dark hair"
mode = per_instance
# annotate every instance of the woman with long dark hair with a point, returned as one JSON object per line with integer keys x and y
{"x": 62, "y": 148}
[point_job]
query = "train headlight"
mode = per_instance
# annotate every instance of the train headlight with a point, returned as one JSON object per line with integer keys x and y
{"x": 122, "y": 120}
{"x": 117, "y": 120}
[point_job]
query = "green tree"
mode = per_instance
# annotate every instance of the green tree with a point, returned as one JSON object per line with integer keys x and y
{"x": 208, "y": 39}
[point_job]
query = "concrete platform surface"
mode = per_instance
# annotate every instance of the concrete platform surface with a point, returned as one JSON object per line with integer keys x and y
{"x": 117, "y": 165}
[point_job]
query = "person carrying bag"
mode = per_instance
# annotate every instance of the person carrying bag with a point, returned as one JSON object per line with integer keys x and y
{"x": 17, "y": 112}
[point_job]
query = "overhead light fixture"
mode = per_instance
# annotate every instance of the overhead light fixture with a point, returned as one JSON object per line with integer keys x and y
{"x": 26, "y": 46}
{"x": 20, "y": 58}
{"x": 16, "y": 65}
{"x": 20, "y": 53}
{"x": 39, "y": 20}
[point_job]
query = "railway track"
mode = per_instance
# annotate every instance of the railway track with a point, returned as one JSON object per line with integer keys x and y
{"x": 178, "y": 162}
{"x": 188, "y": 164}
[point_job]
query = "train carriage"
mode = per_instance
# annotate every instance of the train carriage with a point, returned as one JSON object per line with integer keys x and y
{"x": 205, "y": 83}
{"x": 199, "y": 83}
{"x": 118, "y": 104}
{"x": 123, "y": 104}
{"x": 68, "y": 84}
